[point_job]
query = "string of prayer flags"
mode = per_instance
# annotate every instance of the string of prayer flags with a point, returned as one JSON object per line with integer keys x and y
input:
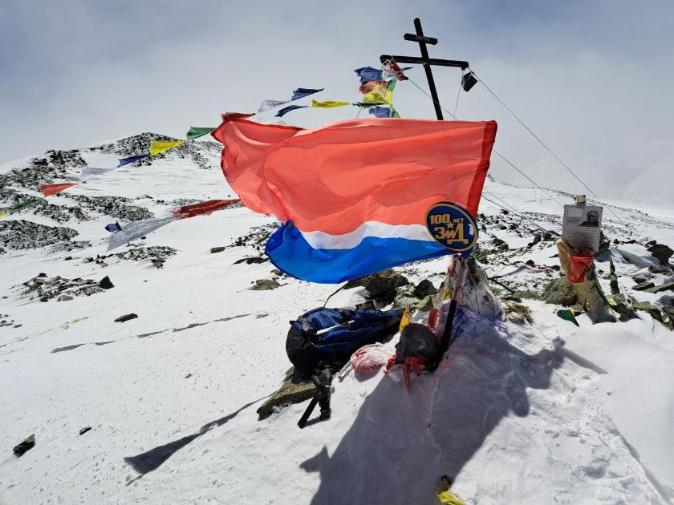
{"x": 328, "y": 104}
{"x": 366, "y": 74}
{"x": 52, "y": 189}
{"x": 131, "y": 159}
{"x": 198, "y": 131}
{"x": 302, "y": 92}
{"x": 282, "y": 112}
{"x": 160, "y": 146}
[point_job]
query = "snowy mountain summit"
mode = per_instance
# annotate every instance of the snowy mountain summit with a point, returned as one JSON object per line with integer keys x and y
{"x": 138, "y": 369}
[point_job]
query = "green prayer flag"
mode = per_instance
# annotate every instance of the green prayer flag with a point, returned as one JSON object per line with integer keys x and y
{"x": 568, "y": 315}
{"x": 198, "y": 131}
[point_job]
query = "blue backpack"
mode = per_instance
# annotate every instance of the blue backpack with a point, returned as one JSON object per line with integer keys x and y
{"x": 330, "y": 336}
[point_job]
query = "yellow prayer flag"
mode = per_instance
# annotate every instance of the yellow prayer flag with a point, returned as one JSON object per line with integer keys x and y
{"x": 160, "y": 146}
{"x": 378, "y": 96}
{"x": 405, "y": 319}
{"x": 328, "y": 104}
{"x": 3, "y": 213}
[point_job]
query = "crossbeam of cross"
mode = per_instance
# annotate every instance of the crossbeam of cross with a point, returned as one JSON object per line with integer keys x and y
{"x": 426, "y": 61}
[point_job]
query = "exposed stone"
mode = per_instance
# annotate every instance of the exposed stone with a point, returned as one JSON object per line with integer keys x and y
{"x": 106, "y": 283}
{"x": 668, "y": 286}
{"x": 126, "y": 317}
{"x": 644, "y": 286}
{"x": 424, "y": 288}
{"x": 25, "y": 446}
{"x": 84, "y": 430}
{"x": 289, "y": 393}
{"x": 217, "y": 249}
{"x": 559, "y": 292}
{"x": 251, "y": 260}
{"x": 381, "y": 286}
{"x": 662, "y": 252}
{"x": 265, "y": 284}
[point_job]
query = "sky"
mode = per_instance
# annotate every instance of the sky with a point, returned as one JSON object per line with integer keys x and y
{"x": 592, "y": 79}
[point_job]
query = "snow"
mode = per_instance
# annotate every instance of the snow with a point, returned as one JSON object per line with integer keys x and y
{"x": 542, "y": 413}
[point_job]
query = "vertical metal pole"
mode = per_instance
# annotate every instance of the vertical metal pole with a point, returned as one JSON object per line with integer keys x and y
{"x": 427, "y": 69}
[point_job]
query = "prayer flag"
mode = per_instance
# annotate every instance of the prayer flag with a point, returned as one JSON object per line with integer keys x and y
{"x": 161, "y": 146}
{"x": 52, "y": 189}
{"x": 131, "y": 159}
{"x": 379, "y": 111}
{"x": 368, "y": 74}
{"x": 328, "y": 104}
{"x": 198, "y": 131}
{"x": 289, "y": 108}
{"x": 302, "y": 92}
{"x": 270, "y": 104}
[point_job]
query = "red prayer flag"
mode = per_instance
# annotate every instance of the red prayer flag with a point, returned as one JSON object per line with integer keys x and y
{"x": 52, "y": 189}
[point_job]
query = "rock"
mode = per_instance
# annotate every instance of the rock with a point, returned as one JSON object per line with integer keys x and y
{"x": 289, "y": 392}
{"x": 251, "y": 260}
{"x": 84, "y": 430}
{"x": 642, "y": 277}
{"x": 64, "y": 298}
{"x": 662, "y": 252}
{"x": 668, "y": 286}
{"x": 644, "y": 286}
{"x": 126, "y": 317}
{"x": 381, "y": 286}
{"x": 25, "y": 446}
{"x": 424, "y": 288}
{"x": 217, "y": 249}
{"x": 518, "y": 313}
{"x": 559, "y": 292}
{"x": 265, "y": 284}
{"x": 106, "y": 283}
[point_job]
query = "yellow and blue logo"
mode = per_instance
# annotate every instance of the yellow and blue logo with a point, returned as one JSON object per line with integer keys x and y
{"x": 452, "y": 226}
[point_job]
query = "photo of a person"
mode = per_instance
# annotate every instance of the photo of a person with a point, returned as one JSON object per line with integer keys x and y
{"x": 591, "y": 219}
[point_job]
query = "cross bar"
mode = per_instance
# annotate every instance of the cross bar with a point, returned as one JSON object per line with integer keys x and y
{"x": 420, "y": 61}
{"x": 420, "y": 38}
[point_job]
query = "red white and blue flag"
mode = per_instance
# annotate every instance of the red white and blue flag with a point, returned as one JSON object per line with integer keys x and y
{"x": 356, "y": 197}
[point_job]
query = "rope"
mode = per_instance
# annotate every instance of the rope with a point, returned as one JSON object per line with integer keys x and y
{"x": 495, "y": 151}
{"x": 540, "y": 141}
{"x": 456, "y": 103}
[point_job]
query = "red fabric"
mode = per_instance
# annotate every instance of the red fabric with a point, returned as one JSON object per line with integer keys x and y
{"x": 334, "y": 178}
{"x": 578, "y": 267}
{"x": 205, "y": 207}
{"x": 52, "y": 189}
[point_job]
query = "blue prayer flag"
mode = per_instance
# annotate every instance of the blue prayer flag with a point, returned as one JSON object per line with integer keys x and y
{"x": 289, "y": 108}
{"x": 380, "y": 111}
{"x": 302, "y": 92}
{"x": 113, "y": 227}
{"x": 131, "y": 159}
{"x": 368, "y": 74}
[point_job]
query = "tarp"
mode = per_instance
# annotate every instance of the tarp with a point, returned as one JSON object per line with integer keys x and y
{"x": 205, "y": 207}
{"x": 52, "y": 189}
{"x": 160, "y": 146}
{"x": 198, "y": 131}
{"x": 354, "y": 195}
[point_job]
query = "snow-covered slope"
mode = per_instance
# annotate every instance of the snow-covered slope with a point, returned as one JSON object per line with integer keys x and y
{"x": 531, "y": 413}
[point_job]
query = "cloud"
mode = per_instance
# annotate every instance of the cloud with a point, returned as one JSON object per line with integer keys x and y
{"x": 592, "y": 78}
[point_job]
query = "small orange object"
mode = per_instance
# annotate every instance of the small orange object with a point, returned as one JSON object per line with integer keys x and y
{"x": 578, "y": 267}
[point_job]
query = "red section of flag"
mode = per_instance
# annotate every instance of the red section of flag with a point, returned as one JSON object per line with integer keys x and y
{"x": 52, "y": 189}
{"x": 335, "y": 178}
{"x": 205, "y": 207}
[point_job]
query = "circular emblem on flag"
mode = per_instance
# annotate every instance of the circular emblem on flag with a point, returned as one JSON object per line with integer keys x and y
{"x": 452, "y": 226}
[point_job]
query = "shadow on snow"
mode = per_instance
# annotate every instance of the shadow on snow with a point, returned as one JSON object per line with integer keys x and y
{"x": 401, "y": 442}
